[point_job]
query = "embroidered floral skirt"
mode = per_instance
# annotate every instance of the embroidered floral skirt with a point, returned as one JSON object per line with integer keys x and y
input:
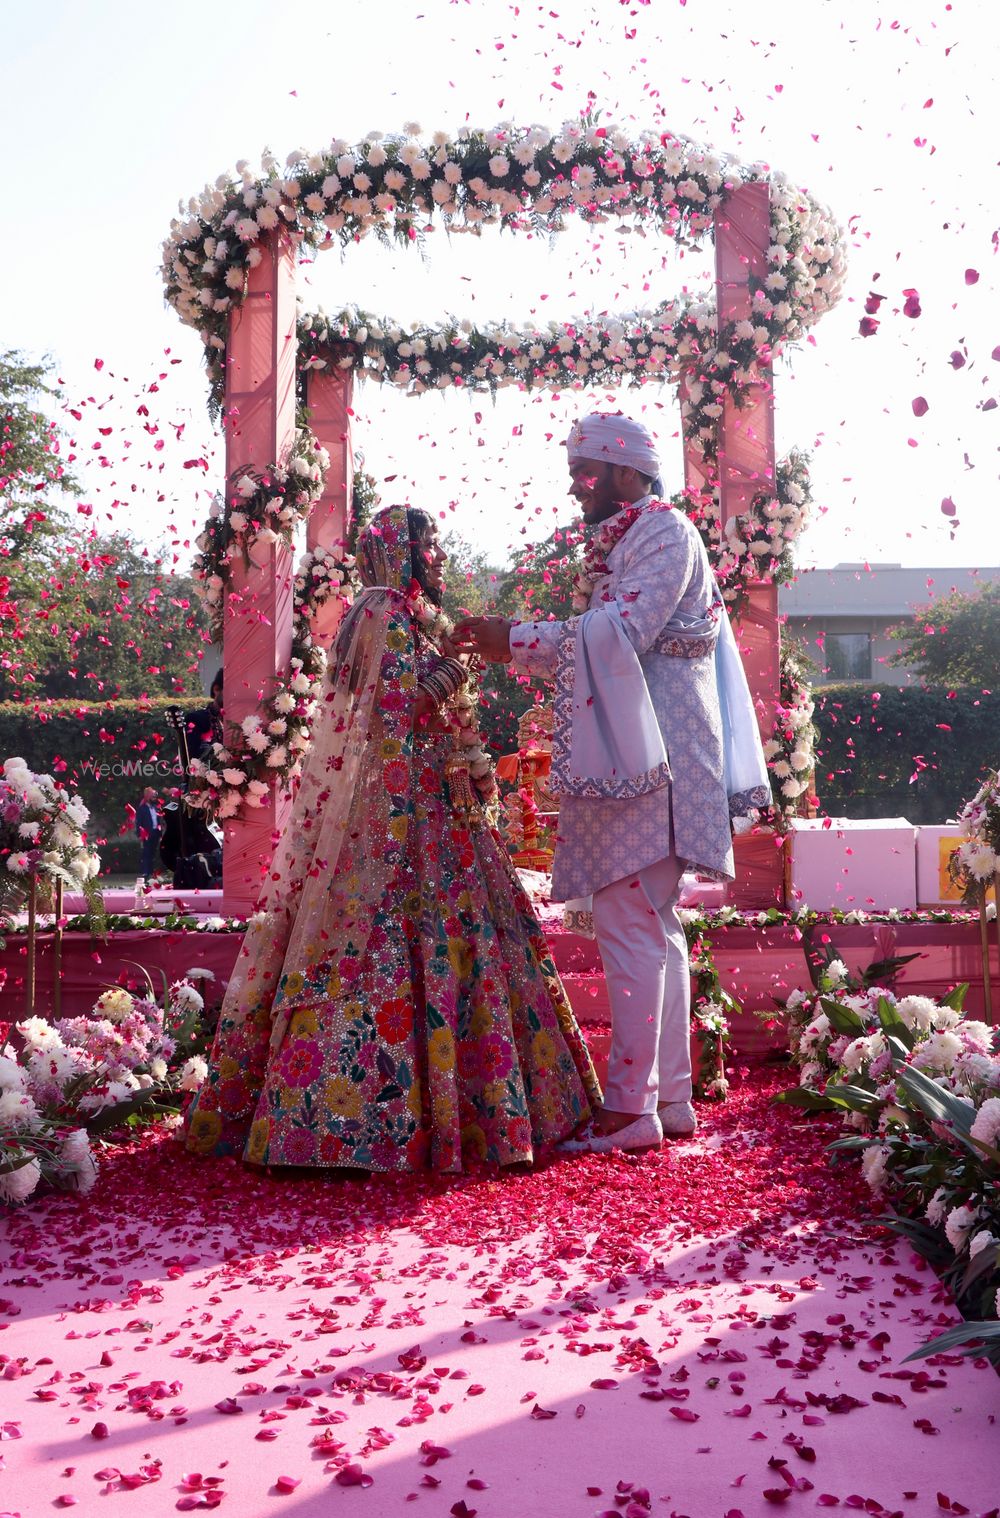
{"x": 455, "y": 1041}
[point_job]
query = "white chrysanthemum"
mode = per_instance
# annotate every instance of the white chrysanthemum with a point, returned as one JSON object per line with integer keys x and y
{"x": 873, "y": 1166}
{"x": 38, "y": 1034}
{"x": 986, "y": 1127}
{"x": 937, "y": 1053}
{"x": 185, "y": 998}
{"x": 194, "y": 1073}
{"x": 917, "y": 1012}
{"x": 980, "y": 1241}
{"x": 17, "y": 1110}
{"x": 836, "y": 971}
{"x": 935, "y": 1209}
{"x": 12, "y": 1076}
{"x": 958, "y": 1225}
{"x": 817, "y": 1030}
{"x": 977, "y": 1033}
{"x": 77, "y": 1166}
{"x": 17, "y": 1185}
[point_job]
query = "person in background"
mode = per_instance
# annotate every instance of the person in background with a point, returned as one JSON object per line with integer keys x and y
{"x": 204, "y": 727}
{"x": 148, "y": 828}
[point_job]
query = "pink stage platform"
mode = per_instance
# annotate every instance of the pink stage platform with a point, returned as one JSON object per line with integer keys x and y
{"x": 758, "y": 965}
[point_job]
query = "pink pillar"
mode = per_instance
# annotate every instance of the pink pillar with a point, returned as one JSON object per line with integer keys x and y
{"x": 329, "y": 397}
{"x": 257, "y": 635}
{"x": 746, "y": 434}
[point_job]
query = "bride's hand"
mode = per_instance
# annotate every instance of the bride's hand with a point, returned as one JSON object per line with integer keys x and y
{"x": 450, "y": 651}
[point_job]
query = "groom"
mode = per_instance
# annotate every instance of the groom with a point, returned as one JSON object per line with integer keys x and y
{"x": 638, "y": 761}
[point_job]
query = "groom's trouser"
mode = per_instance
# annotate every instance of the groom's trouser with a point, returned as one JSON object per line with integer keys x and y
{"x": 645, "y": 958}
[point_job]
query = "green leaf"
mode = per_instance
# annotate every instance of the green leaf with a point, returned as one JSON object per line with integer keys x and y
{"x": 956, "y": 997}
{"x": 809, "y": 1101}
{"x": 843, "y": 1019}
{"x": 892, "y": 1022}
{"x": 937, "y": 1104}
{"x": 962, "y": 1333}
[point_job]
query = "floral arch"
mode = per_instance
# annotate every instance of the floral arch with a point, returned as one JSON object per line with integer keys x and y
{"x": 229, "y": 272}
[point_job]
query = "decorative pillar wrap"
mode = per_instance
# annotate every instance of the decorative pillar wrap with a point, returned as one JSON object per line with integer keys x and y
{"x": 746, "y": 433}
{"x": 257, "y": 634}
{"x": 329, "y": 397}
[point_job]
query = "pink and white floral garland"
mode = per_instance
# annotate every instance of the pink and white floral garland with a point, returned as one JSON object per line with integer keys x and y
{"x": 979, "y": 855}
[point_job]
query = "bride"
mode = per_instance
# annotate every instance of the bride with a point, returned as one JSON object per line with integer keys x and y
{"x": 394, "y": 1006}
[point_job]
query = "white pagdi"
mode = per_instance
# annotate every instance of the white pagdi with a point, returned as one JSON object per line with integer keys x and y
{"x": 615, "y": 439}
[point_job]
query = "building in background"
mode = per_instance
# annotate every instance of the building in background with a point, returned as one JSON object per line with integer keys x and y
{"x": 841, "y": 616}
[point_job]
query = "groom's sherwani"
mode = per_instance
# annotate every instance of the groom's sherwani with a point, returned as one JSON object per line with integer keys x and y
{"x": 662, "y": 586}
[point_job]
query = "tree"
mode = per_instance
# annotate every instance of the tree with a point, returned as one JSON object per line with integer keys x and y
{"x": 82, "y": 614}
{"x": 954, "y": 641}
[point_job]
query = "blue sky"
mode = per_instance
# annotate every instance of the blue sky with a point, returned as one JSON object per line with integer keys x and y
{"x": 119, "y": 110}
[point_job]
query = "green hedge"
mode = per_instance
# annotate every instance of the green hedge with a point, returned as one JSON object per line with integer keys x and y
{"x": 888, "y": 751}
{"x": 108, "y": 752}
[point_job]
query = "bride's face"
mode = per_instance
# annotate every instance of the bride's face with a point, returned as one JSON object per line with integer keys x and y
{"x": 433, "y": 556}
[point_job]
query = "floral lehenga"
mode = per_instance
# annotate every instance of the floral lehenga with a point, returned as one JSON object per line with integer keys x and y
{"x": 394, "y": 1006}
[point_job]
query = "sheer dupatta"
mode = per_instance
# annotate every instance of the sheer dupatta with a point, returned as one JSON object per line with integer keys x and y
{"x": 348, "y": 828}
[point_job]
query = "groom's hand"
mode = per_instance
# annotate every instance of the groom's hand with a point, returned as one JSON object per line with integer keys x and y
{"x": 489, "y": 637}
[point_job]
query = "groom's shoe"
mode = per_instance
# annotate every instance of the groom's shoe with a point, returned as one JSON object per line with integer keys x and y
{"x": 636, "y": 1138}
{"x": 677, "y": 1119}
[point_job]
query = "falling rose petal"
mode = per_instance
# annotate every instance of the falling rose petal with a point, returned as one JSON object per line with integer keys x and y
{"x": 684, "y": 1414}
{"x": 826, "y": 1499}
{"x": 948, "y": 506}
{"x": 229, "y": 1405}
{"x": 777, "y": 1494}
{"x": 10, "y": 1431}
{"x": 288, "y": 1483}
{"x": 67, "y": 1499}
{"x": 920, "y": 406}
{"x": 460, "y": 1509}
{"x": 477, "y": 1484}
{"x": 542, "y": 1412}
{"x": 972, "y": 276}
{"x": 267, "y": 1434}
{"x": 605, "y": 1383}
{"x": 99, "y": 1431}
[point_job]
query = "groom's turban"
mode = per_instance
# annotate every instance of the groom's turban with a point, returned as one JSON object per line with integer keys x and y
{"x": 615, "y": 439}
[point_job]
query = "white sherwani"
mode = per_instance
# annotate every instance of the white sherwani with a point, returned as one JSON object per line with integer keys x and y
{"x": 659, "y": 580}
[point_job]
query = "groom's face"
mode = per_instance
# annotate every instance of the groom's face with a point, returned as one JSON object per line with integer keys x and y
{"x": 593, "y": 486}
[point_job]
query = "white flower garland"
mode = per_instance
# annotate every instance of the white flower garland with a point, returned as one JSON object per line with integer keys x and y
{"x": 527, "y": 179}
{"x": 263, "y": 507}
{"x": 790, "y": 752}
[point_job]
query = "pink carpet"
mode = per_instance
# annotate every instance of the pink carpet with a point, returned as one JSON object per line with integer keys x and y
{"x": 711, "y": 1331}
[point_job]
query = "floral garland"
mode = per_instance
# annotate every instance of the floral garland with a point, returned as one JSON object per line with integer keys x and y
{"x": 267, "y": 748}
{"x": 263, "y": 507}
{"x": 71, "y": 1080}
{"x": 521, "y": 179}
{"x": 711, "y": 1008}
{"x": 41, "y": 836}
{"x": 599, "y": 545}
{"x": 270, "y": 745}
{"x": 461, "y": 711}
{"x": 754, "y": 545}
{"x": 791, "y": 751}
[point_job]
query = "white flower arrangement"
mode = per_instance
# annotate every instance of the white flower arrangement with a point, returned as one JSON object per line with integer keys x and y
{"x": 978, "y": 858}
{"x": 87, "y": 1073}
{"x": 42, "y": 835}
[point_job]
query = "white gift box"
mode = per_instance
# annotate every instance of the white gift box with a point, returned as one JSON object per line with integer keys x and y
{"x": 865, "y": 865}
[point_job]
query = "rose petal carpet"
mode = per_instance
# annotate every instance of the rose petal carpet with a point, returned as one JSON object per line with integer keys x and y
{"x": 715, "y": 1330}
